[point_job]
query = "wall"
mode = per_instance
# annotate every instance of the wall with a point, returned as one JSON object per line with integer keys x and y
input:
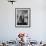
{"x": 8, "y": 30}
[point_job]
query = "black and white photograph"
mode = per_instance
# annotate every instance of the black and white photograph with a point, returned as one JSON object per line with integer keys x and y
{"x": 22, "y": 17}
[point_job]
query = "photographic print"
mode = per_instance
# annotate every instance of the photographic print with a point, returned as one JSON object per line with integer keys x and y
{"x": 22, "y": 17}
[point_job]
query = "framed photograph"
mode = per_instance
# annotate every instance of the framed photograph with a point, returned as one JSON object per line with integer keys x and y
{"x": 22, "y": 17}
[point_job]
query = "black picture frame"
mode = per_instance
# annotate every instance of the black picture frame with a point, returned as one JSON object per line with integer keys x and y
{"x": 22, "y": 17}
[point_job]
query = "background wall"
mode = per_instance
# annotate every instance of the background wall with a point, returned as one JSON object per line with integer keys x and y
{"x": 8, "y": 31}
